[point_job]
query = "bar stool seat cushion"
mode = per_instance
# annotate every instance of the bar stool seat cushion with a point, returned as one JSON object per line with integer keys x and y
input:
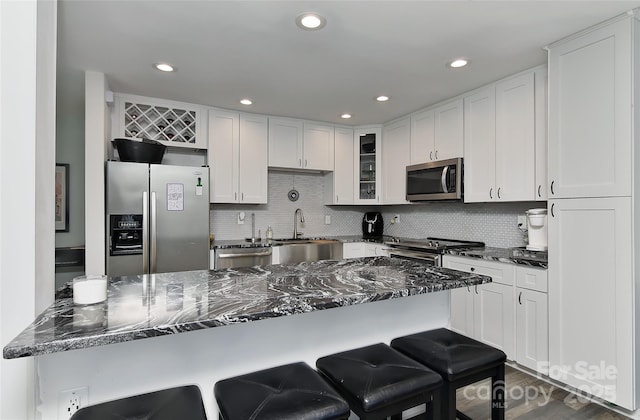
{"x": 452, "y": 355}
{"x": 293, "y": 391}
{"x": 377, "y": 375}
{"x": 183, "y": 402}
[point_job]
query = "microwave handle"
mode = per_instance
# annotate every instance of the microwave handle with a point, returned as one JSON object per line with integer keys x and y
{"x": 444, "y": 179}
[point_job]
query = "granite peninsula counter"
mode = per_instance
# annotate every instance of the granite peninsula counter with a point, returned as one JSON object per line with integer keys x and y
{"x": 140, "y": 307}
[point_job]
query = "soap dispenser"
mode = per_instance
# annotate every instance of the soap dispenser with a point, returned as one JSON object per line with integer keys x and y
{"x": 269, "y": 232}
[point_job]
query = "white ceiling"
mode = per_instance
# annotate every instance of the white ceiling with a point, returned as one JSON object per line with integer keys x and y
{"x": 227, "y": 50}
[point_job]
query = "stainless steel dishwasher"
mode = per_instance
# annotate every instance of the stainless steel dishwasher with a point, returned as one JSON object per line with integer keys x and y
{"x": 242, "y": 257}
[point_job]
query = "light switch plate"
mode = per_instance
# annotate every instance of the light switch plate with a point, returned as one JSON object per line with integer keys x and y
{"x": 327, "y": 219}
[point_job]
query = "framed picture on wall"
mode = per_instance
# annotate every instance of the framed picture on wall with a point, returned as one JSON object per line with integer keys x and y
{"x": 62, "y": 197}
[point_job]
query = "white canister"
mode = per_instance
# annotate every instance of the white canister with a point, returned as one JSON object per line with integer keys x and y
{"x": 89, "y": 289}
{"x": 537, "y": 229}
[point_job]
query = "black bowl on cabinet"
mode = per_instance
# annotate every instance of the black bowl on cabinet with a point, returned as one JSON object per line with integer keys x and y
{"x": 145, "y": 151}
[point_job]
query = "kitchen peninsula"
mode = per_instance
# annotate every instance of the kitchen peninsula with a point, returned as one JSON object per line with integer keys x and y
{"x": 182, "y": 311}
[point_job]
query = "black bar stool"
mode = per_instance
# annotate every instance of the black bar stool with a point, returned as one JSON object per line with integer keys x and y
{"x": 378, "y": 382}
{"x": 293, "y": 391}
{"x": 184, "y": 402}
{"x": 460, "y": 361}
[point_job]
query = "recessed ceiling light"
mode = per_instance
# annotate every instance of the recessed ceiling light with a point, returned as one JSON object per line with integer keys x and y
{"x": 246, "y": 101}
{"x": 460, "y": 62}
{"x": 345, "y": 116}
{"x": 164, "y": 67}
{"x": 382, "y": 98}
{"x": 311, "y": 21}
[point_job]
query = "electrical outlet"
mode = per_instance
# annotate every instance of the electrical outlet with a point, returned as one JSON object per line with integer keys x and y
{"x": 241, "y": 218}
{"x": 396, "y": 219}
{"x": 72, "y": 400}
{"x": 522, "y": 221}
{"x": 327, "y": 219}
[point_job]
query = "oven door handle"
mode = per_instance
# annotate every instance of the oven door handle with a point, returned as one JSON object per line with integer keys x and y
{"x": 433, "y": 258}
{"x": 443, "y": 180}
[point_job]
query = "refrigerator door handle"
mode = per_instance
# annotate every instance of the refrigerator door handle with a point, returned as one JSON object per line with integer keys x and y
{"x": 145, "y": 233}
{"x": 154, "y": 233}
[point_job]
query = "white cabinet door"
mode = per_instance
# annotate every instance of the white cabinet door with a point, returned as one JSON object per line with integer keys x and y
{"x": 449, "y": 130}
{"x": 224, "y": 136}
{"x": 422, "y": 136}
{"x": 353, "y": 250}
{"x": 532, "y": 332}
{"x": 541, "y": 86}
{"x": 590, "y": 114}
{"x": 462, "y": 311}
{"x": 515, "y": 139}
{"x": 285, "y": 143}
{"x": 492, "y": 313}
{"x": 318, "y": 147}
{"x": 494, "y": 316}
{"x": 339, "y": 184}
{"x": 591, "y": 295}
{"x": 479, "y": 146}
{"x": 396, "y": 139}
{"x": 253, "y": 173}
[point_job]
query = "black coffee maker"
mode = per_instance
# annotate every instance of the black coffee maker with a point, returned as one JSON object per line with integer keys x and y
{"x": 372, "y": 225}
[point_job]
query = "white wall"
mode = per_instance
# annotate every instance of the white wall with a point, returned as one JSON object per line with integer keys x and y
{"x": 96, "y": 133}
{"x": 26, "y": 137}
{"x": 493, "y": 223}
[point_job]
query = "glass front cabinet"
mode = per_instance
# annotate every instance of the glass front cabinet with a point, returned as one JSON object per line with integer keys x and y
{"x": 367, "y": 156}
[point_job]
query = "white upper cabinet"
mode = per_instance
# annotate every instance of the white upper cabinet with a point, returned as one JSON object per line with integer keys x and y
{"x": 339, "y": 184}
{"x": 396, "y": 147}
{"x": 423, "y": 132}
{"x": 295, "y": 144}
{"x": 515, "y": 139}
{"x": 501, "y": 140}
{"x": 541, "y": 99}
{"x": 285, "y": 143}
{"x": 237, "y": 157}
{"x": 449, "y": 130}
{"x": 590, "y": 113}
{"x": 480, "y": 146}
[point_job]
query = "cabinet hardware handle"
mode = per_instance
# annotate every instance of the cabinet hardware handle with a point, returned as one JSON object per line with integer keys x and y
{"x": 436, "y": 154}
{"x": 305, "y": 163}
{"x": 473, "y": 269}
{"x": 539, "y": 193}
{"x": 552, "y": 205}
{"x": 552, "y": 182}
{"x": 430, "y": 155}
{"x": 336, "y": 198}
{"x": 498, "y": 192}
{"x": 235, "y": 195}
{"x": 468, "y": 289}
{"x": 520, "y": 298}
{"x": 300, "y": 163}
{"x": 242, "y": 196}
{"x": 477, "y": 290}
{"x": 491, "y": 193}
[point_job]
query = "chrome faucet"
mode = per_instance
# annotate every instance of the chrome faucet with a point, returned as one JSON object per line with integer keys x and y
{"x": 295, "y": 223}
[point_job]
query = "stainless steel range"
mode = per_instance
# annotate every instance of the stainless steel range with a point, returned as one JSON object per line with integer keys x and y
{"x": 429, "y": 249}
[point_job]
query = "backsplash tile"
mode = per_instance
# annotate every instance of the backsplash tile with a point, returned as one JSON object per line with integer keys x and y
{"x": 493, "y": 223}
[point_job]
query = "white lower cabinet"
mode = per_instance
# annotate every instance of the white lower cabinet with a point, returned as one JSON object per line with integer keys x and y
{"x": 532, "y": 316}
{"x": 488, "y": 313}
{"x": 353, "y": 250}
{"x": 364, "y": 249}
{"x": 510, "y": 313}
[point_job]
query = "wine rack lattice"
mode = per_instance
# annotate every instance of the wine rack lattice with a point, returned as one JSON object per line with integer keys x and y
{"x": 159, "y": 123}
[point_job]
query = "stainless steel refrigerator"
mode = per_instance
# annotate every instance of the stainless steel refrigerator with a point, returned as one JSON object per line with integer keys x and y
{"x": 157, "y": 218}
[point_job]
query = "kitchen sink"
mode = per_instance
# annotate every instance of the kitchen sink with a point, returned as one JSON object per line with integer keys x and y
{"x": 308, "y": 249}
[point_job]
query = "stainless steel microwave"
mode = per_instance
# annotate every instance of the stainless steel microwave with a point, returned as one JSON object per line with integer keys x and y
{"x": 439, "y": 180}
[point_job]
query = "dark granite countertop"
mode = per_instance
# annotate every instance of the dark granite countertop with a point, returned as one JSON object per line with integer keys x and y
{"x": 497, "y": 254}
{"x": 140, "y": 307}
{"x": 241, "y": 243}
